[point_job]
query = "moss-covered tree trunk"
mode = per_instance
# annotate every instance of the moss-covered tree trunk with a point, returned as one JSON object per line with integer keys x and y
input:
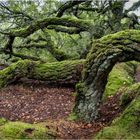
{"x": 106, "y": 52}
{"x": 64, "y": 72}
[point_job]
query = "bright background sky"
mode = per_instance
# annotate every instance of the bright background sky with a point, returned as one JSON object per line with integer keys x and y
{"x": 128, "y": 4}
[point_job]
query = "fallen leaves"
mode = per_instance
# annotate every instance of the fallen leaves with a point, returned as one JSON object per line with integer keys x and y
{"x": 37, "y": 103}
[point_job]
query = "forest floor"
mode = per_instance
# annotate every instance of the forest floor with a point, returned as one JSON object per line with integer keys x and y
{"x": 35, "y": 102}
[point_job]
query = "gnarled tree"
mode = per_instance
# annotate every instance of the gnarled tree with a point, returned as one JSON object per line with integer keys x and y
{"x": 105, "y": 53}
{"x": 106, "y": 17}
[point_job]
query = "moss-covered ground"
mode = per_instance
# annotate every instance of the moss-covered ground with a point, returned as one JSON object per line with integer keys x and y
{"x": 122, "y": 75}
{"x": 20, "y": 130}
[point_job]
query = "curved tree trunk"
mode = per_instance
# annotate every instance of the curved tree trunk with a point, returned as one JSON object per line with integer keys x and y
{"x": 64, "y": 72}
{"x": 106, "y": 52}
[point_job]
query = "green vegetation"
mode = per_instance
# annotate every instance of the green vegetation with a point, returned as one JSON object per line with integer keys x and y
{"x": 129, "y": 94}
{"x": 58, "y": 70}
{"x": 72, "y": 117}
{"x": 64, "y": 72}
{"x": 122, "y": 75}
{"x": 127, "y": 125}
{"x": 123, "y": 37}
{"x": 14, "y": 72}
{"x": 20, "y": 130}
{"x": 63, "y": 42}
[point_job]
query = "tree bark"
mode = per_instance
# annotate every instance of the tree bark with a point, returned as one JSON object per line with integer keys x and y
{"x": 64, "y": 72}
{"x": 68, "y": 5}
{"x": 105, "y": 53}
{"x": 41, "y": 24}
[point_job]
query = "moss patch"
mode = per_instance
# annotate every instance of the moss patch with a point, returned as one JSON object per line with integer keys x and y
{"x": 58, "y": 70}
{"x": 127, "y": 126}
{"x": 20, "y": 130}
{"x": 2, "y": 121}
{"x": 121, "y": 75}
{"x": 66, "y": 72}
{"x": 129, "y": 94}
{"x": 72, "y": 117}
{"x": 13, "y": 72}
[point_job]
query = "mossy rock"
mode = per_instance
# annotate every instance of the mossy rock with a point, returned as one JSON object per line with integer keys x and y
{"x": 127, "y": 126}
{"x": 20, "y": 130}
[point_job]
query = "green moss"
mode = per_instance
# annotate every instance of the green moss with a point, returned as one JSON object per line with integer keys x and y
{"x": 57, "y": 70}
{"x": 41, "y": 53}
{"x": 129, "y": 94}
{"x": 20, "y": 130}
{"x": 127, "y": 126}
{"x": 131, "y": 67}
{"x": 74, "y": 94}
{"x": 121, "y": 75}
{"x": 60, "y": 55}
{"x": 72, "y": 117}
{"x": 125, "y": 37}
{"x": 110, "y": 46}
{"x": 80, "y": 87}
{"x": 2, "y": 121}
{"x": 15, "y": 71}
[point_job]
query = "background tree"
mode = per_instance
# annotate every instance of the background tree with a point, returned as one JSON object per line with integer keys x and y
{"x": 101, "y": 14}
